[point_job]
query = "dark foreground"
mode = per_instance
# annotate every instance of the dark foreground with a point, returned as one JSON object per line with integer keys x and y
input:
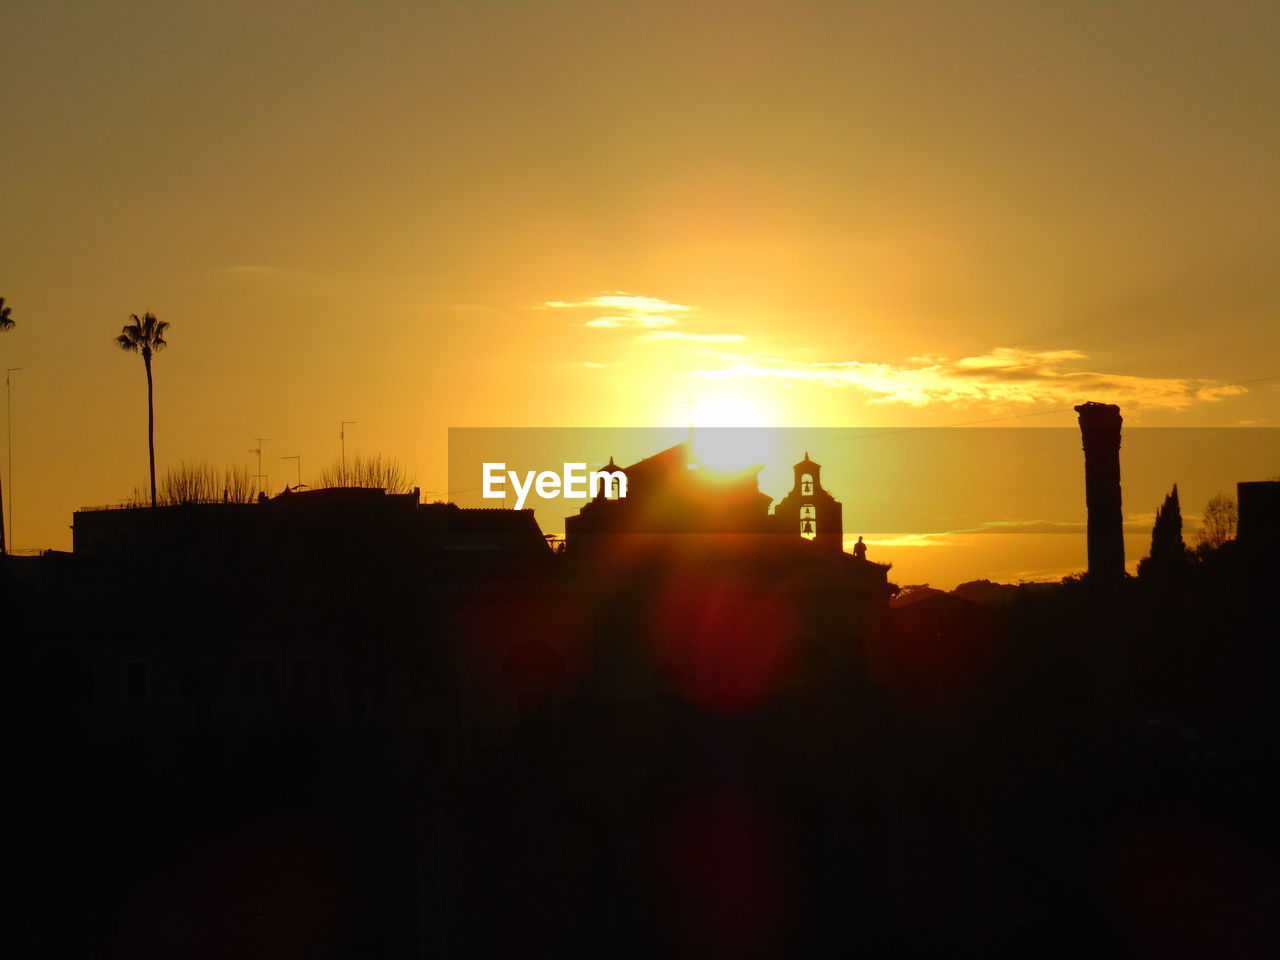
{"x": 379, "y": 758}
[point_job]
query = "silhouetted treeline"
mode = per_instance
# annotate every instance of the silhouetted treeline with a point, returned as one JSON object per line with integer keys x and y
{"x": 359, "y": 740}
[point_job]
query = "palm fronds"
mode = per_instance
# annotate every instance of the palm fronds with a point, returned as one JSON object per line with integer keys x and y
{"x": 143, "y": 335}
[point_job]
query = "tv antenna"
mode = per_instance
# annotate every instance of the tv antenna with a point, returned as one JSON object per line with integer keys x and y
{"x": 297, "y": 457}
{"x": 342, "y": 436}
{"x": 258, "y": 450}
{"x": 8, "y": 404}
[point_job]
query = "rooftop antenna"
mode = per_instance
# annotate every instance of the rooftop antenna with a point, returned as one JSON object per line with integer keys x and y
{"x": 258, "y": 450}
{"x": 298, "y": 458}
{"x": 8, "y": 403}
{"x": 342, "y": 435}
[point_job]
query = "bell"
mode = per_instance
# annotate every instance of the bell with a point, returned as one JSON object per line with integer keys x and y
{"x": 808, "y": 527}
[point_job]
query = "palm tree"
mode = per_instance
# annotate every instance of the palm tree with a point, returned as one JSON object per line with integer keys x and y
{"x": 146, "y": 336}
{"x": 6, "y": 323}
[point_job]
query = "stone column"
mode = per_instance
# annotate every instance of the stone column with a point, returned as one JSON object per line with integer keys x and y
{"x": 1100, "y": 434}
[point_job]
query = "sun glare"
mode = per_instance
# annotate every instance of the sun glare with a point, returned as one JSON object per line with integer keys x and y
{"x": 730, "y": 433}
{"x": 728, "y": 411}
{"x": 729, "y": 449}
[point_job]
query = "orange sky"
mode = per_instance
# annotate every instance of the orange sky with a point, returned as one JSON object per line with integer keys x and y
{"x": 832, "y": 214}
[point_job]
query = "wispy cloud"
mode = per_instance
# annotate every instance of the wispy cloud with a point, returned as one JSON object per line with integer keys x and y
{"x": 637, "y": 321}
{"x": 1036, "y": 575}
{"x": 906, "y": 540}
{"x": 1005, "y": 376}
{"x": 1136, "y": 524}
{"x": 693, "y": 337}
{"x": 624, "y": 310}
{"x": 649, "y": 314}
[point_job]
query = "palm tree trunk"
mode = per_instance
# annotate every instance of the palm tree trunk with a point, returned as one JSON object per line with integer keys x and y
{"x": 3, "y": 548}
{"x": 151, "y": 425}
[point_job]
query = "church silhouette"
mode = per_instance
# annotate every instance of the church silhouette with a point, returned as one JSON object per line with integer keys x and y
{"x": 674, "y": 492}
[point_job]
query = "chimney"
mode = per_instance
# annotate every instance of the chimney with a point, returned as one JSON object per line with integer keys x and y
{"x": 1100, "y": 434}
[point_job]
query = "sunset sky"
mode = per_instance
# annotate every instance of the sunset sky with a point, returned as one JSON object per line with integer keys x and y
{"x": 459, "y": 213}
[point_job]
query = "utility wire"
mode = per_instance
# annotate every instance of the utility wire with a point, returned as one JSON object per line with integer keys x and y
{"x": 891, "y": 431}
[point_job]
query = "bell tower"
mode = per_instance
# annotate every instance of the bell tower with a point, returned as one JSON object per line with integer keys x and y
{"x": 809, "y": 510}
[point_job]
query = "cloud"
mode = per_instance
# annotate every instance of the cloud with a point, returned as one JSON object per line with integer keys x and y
{"x": 694, "y": 337}
{"x": 627, "y": 310}
{"x": 1005, "y": 376}
{"x": 1135, "y": 523}
{"x": 1038, "y": 575}
{"x": 905, "y": 540}
{"x": 640, "y": 321}
{"x": 1139, "y": 524}
{"x": 624, "y": 310}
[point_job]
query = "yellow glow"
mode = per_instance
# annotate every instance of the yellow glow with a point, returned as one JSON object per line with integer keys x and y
{"x": 735, "y": 410}
{"x": 734, "y": 438}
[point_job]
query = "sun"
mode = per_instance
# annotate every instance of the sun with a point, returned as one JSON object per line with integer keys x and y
{"x": 728, "y": 410}
{"x": 731, "y": 432}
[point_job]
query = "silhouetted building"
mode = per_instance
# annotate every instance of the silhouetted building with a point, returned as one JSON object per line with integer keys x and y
{"x": 296, "y": 527}
{"x": 672, "y": 492}
{"x": 457, "y": 529}
{"x": 809, "y": 510}
{"x": 1258, "y": 523}
{"x": 1100, "y": 433}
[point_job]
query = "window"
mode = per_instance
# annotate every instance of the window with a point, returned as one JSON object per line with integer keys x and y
{"x": 808, "y": 522}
